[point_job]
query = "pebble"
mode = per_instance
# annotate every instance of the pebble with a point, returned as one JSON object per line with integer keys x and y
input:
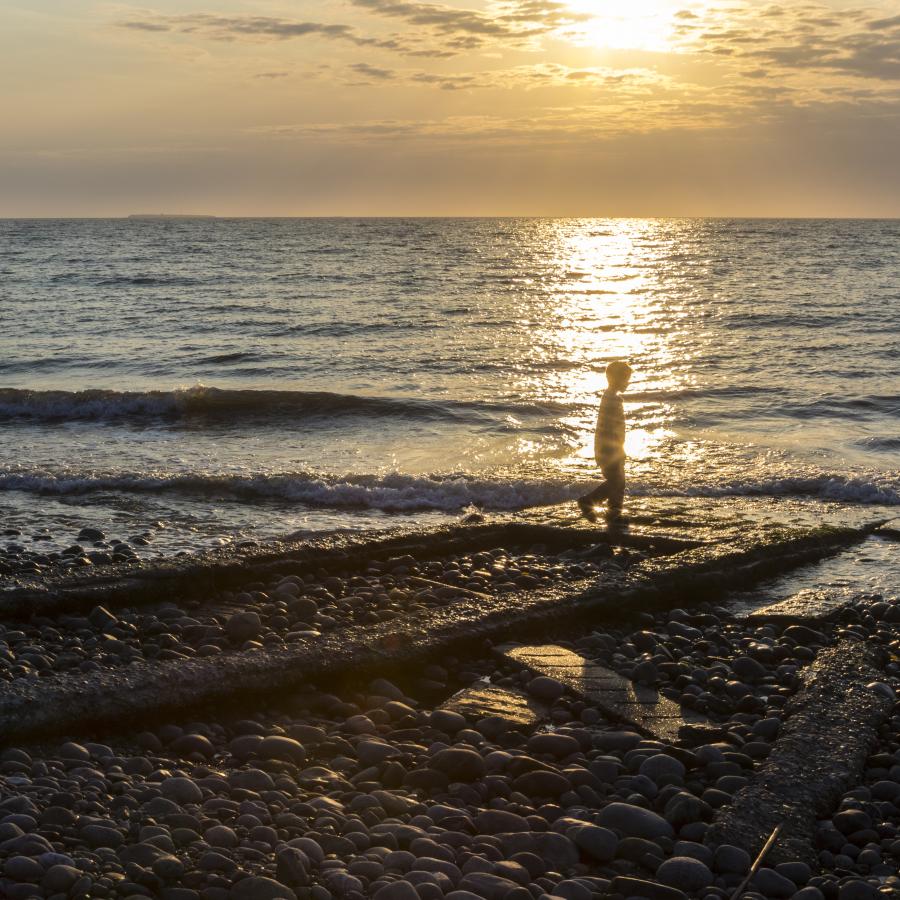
{"x": 685, "y": 873}
{"x": 771, "y": 884}
{"x": 634, "y": 821}
{"x": 599, "y": 843}
{"x": 459, "y": 764}
{"x": 181, "y": 790}
{"x": 397, "y": 890}
{"x": 257, "y": 887}
{"x": 23, "y": 868}
{"x": 731, "y": 860}
{"x": 360, "y": 795}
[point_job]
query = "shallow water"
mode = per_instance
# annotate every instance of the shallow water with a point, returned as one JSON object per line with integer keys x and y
{"x": 228, "y": 378}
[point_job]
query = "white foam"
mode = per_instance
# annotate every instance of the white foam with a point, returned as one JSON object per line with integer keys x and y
{"x": 392, "y": 492}
{"x": 397, "y": 492}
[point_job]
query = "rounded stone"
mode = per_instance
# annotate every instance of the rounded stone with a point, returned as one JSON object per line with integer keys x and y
{"x": 251, "y": 780}
{"x": 661, "y": 767}
{"x": 541, "y": 783}
{"x": 798, "y": 872}
{"x": 102, "y": 836}
{"x": 599, "y": 843}
{"x": 498, "y": 821}
{"x": 848, "y": 821}
{"x": 731, "y": 860}
{"x": 558, "y": 745}
{"x": 23, "y": 868}
{"x": 220, "y": 836}
{"x": 59, "y": 879}
{"x": 281, "y": 748}
{"x": 570, "y": 889}
{"x": 886, "y": 790}
{"x": 685, "y": 873}
{"x": 258, "y": 888}
{"x": 244, "y": 746}
{"x": 635, "y": 821}
{"x": 857, "y": 889}
{"x": 396, "y": 890}
{"x": 243, "y": 626}
{"x": 189, "y": 744}
{"x": 545, "y": 688}
{"x": 808, "y": 893}
{"x": 748, "y": 669}
{"x": 770, "y": 884}
{"x": 180, "y": 790}
{"x": 447, "y": 720}
{"x": 458, "y": 764}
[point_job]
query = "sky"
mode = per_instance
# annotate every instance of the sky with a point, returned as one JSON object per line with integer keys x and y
{"x": 461, "y": 107}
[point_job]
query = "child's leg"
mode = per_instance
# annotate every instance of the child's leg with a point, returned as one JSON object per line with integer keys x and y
{"x": 615, "y": 486}
{"x": 598, "y": 494}
{"x": 588, "y": 502}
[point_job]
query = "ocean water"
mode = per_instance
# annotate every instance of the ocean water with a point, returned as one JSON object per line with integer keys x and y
{"x": 208, "y": 381}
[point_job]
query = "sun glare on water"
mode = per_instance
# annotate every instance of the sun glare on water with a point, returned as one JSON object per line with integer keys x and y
{"x": 634, "y": 25}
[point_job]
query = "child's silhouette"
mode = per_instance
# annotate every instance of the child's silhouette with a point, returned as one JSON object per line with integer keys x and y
{"x": 609, "y": 446}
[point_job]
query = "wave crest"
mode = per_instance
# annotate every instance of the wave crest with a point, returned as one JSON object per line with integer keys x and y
{"x": 398, "y": 492}
{"x": 394, "y": 492}
{"x": 224, "y": 404}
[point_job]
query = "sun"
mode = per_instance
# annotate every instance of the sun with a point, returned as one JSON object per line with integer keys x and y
{"x": 632, "y": 25}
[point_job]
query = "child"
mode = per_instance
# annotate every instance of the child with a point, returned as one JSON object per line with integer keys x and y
{"x": 609, "y": 446}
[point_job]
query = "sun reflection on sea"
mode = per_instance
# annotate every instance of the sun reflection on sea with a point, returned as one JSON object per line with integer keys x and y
{"x": 605, "y": 287}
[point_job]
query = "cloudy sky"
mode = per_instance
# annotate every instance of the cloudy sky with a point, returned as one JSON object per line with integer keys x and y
{"x": 461, "y": 107}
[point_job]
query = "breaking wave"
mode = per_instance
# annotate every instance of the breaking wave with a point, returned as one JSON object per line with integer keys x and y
{"x": 847, "y": 489}
{"x": 397, "y": 492}
{"x": 198, "y": 403}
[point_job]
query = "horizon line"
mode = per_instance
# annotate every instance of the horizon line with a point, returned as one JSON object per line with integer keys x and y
{"x": 182, "y": 217}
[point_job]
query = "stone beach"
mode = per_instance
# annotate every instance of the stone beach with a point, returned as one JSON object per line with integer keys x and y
{"x": 369, "y": 787}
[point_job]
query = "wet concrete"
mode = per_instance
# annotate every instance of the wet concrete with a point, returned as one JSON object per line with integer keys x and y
{"x": 805, "y": 606}
{"x": 617, "y": 698}
{"x": 514, "y": 709}
{"x": 183, "y": 578}
{"x": 831, "y": 726}
{"x": 75, "y": 702}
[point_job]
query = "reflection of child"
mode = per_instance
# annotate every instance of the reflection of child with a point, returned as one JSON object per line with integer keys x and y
{"x": 609, "y": 446}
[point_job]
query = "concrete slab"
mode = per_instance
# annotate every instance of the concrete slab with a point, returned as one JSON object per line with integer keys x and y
{"x": 805, "y": 606}
{"x": 124, "y": 697}
{"x": 618, "y": 698}
{"x": 891, "y": 532}
{"x": 482, "y": 701}
{"x": 830, "y": 727}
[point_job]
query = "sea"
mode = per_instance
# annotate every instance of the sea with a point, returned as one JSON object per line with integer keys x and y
{"x": 204, "y": 382}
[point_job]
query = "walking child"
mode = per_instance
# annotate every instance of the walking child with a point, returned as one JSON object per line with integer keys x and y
{"x": 609, "y": 446}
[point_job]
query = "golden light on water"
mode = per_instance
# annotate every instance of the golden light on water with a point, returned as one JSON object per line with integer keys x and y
{"x": 635, "y": 25}
{"x": 610, "y": 303}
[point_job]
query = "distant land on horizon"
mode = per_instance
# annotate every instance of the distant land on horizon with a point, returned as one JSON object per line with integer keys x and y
{"x": 169, "y": 216}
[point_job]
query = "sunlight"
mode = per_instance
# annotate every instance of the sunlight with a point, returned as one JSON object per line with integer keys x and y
{"x": 636, "y": 25}
{"x": 610, "y": 306}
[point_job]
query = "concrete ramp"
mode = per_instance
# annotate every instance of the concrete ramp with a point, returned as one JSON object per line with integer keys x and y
{"x": 515, "y": 708}
{"x": 617, "y": 698}
{"x": 804, "y": 607}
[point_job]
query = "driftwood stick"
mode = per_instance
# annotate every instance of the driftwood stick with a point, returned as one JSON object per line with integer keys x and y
{"x": 758, "y": 861}
{"x": 454, "y": 587}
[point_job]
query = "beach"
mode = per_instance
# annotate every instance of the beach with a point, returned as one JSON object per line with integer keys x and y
{"x": 371, "y": 715}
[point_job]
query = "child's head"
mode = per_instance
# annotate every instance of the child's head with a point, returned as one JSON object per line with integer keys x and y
{"x": 618, "y": 374}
